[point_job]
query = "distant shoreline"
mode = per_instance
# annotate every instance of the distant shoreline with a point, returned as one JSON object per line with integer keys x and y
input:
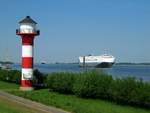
{"x": 132, "y": 63}
{"x": 6, "y": 62}
{"x": 120, "y": 63}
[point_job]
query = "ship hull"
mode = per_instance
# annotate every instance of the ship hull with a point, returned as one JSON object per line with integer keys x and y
{"x": 98, "y": 65}
{"x": 105, "y": 65}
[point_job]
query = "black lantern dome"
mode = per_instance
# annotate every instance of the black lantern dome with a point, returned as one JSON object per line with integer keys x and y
{"x": 27, "y": 20}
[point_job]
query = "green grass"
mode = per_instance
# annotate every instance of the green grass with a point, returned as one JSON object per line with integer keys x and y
{"x": 8, "y": 86}
{"x": 72, "y": 103}
{"x": 77, "y": 105}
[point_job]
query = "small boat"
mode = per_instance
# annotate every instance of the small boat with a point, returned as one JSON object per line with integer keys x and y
{"x": 101, "y": 61}
{"x": 43, "y": 62}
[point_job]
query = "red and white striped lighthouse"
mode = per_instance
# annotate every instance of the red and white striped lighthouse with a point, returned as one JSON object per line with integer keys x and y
{"x": 27, "y": 31}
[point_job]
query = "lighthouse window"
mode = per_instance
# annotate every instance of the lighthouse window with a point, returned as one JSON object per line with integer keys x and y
{"x": 26, "y": 29}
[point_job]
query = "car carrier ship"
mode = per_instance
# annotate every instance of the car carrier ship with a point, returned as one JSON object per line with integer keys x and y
{"x": 102, "y": 61}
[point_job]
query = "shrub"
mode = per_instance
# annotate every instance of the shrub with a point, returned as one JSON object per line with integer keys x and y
{"x": 38, "y": 79}
{"x": 15, "y": 76}
{"x": 92, "y": 85}
{"x": 124, "y": 89}
{"x": 131, "y": 91}
{"x": 85, "y": 85}
{"x": 61, "y": 82}
{"x": 142, "y": 97}
{"x": 10, "y": 76}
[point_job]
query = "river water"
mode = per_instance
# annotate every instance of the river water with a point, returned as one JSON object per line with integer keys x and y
{"x": 138, "y": 71}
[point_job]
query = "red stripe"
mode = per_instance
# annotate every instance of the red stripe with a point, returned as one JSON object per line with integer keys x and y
{"x": 19, "y": 33}
{"x": 26, "y": 83}
{"x": 27, "y": 40}
{"x": 27, "y": 62}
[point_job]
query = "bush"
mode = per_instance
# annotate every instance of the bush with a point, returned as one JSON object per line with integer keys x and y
{"x": 38, "y": 79}
{"x": 143, "y": 95}
{"x": 16, "y": 76}
{"x": 61, "y": 82}
{"x": 92, "y": 85}
{"x": 131, "y": 91}
{"x": 124, "y": 89}
{"x": 10, "y": 76}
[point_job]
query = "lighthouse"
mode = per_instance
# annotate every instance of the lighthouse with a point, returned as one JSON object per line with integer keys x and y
{"x": 27, "y": 30}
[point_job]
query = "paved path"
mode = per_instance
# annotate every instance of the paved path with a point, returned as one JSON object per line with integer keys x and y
{"x": 38, "y": 107}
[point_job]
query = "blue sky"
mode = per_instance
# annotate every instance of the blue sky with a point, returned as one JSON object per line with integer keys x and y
{"x": 70, "y": 28}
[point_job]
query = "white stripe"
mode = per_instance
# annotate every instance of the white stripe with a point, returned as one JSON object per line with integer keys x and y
{"x": 27, "y": 74}
{"x": 27, "y": 51}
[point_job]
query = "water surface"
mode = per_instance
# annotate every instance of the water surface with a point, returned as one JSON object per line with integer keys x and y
{"x": 138, "y": 71}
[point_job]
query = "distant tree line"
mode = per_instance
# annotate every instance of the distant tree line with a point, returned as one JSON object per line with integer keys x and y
{"x": 128, "y": 63}
{"x": 6, "y": 62}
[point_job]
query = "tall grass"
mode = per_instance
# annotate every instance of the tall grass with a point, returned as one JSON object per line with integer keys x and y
{"x": 61, "y": 82}
{"x": 92, "y": 85}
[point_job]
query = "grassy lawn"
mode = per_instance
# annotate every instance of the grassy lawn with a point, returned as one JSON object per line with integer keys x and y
{"x": 70, "y": 102}
{"x": 8, "y": 86}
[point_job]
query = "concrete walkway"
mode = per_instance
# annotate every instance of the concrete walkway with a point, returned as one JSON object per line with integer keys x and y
{"x": 38, "y": 107}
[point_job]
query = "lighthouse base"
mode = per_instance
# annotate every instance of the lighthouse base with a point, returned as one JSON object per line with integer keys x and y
{"x": 26, "y": 88}
{"x": 26, "y": 85}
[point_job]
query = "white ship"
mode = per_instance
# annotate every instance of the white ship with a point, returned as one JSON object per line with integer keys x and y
{"x": 102, "y": 61}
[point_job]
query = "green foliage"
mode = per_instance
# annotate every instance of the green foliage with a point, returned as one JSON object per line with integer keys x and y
{"x": 38, "y": 79}
{"x": 99, "y": 85}
{"x": 61, "y": 82}
{"x": 131, "y": 91}
{"x": 15, "y": 77}
{"x": 124, "y": 89}
{"x": 92, "y": 84}
{"x": 10, "y": 76}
